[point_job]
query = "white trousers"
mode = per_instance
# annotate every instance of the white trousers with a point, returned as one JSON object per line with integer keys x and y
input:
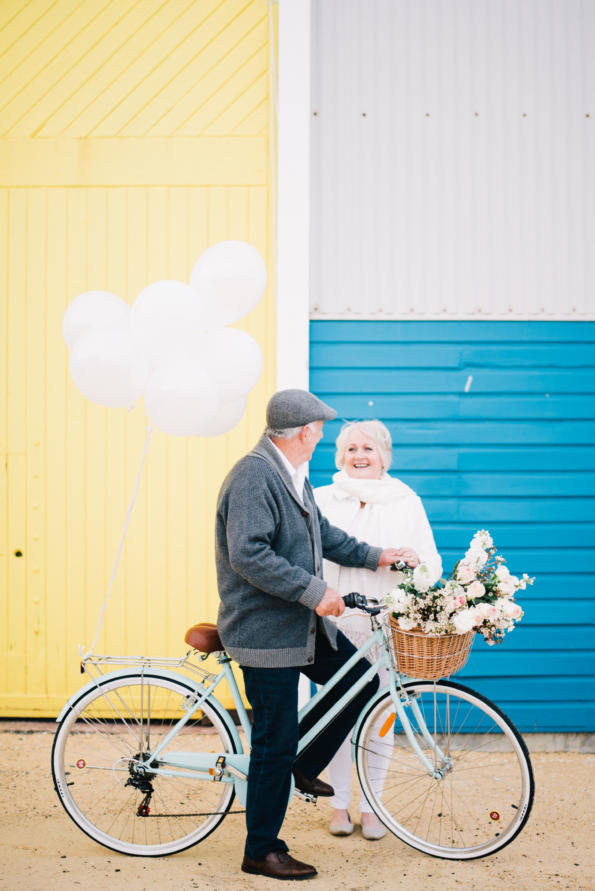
{"x": 379, "y": 755}
{"x": 356, "y": 627}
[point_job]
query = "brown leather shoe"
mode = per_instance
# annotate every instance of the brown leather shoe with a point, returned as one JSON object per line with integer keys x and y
{"x": 312, "y": 787}
{"x": 279, "y": 865}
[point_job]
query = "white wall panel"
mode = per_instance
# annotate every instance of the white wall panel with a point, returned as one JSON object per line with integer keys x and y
{"x": 452, "y": 159}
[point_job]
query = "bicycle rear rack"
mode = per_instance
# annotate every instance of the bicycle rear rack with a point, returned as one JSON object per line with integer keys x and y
{"x": 98, "y": 665}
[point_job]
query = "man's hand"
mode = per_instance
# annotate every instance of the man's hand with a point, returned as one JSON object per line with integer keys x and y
{"x": 395, "y": 555}
{"x": 331, "y": 604}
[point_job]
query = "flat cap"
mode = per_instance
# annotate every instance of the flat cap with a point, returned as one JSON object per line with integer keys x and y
{"x": 295, "y": 408}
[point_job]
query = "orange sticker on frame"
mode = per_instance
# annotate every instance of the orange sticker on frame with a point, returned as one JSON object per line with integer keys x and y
{"x": 387, "y": 724}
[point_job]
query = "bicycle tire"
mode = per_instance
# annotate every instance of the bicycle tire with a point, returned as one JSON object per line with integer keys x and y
{"x": 105, "y": 734}
{"x": 485, "y": 795}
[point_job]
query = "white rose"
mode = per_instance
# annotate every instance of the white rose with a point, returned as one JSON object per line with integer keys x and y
{"x": 464, "y": 621}
{"x": 506, "y": 588}
{"x": 406, "y": 624}
{"x": 422, "y": 578}
{"x": 475, "y": 590}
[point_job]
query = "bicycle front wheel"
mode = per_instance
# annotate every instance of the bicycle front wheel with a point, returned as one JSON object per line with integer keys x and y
{"x": 99, "y": 745}
{"x": 479, "y": 794}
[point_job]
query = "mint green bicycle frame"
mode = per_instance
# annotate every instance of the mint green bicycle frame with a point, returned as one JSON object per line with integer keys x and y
{"x": 232, "y": 767}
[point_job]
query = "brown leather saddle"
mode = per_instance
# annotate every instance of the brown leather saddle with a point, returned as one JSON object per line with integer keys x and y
{"x": 204, "y": 637}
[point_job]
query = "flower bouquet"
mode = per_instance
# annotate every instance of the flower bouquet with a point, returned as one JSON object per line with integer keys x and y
{"x": 433, "y": 623}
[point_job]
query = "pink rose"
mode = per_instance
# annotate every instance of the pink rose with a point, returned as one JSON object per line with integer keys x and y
{"x": 511, "y": 609}
{"x": 486, "y": 610}
{"x": 479, "y": 618}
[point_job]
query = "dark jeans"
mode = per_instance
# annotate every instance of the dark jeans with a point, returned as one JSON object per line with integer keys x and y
{"x": 273, "y": 695}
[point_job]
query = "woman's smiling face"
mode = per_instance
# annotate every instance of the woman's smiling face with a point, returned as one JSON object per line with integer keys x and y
{"x": 362, "y": 458}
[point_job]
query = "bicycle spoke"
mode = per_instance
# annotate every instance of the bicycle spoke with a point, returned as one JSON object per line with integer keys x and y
{"x": 102, "y": 744}
{"x": 482, "y": 767}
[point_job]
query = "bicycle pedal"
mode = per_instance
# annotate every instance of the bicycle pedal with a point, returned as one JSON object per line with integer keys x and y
{"x": 307, "y": 796}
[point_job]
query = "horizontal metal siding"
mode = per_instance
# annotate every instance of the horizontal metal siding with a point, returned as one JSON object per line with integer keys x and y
{"x": 514, "y": 454}
{"x": 451, "y": 147}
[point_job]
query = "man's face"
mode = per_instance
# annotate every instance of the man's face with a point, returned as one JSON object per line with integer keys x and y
{"x": 313, "y": 435}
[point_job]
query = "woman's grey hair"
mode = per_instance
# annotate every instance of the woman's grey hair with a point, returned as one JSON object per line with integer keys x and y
{"x": 286, "y": 432}
{"x": 375, "y": 430}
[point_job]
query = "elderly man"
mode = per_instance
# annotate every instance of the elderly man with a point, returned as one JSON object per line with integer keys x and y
{"x": 270, "y": 541}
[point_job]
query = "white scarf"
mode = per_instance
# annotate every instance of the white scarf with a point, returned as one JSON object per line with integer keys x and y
{"x": 370, "y": 491}
{"x": 392, "y": 516}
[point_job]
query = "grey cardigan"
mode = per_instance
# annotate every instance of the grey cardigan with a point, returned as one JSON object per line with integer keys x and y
{"x": 269, "y": 549}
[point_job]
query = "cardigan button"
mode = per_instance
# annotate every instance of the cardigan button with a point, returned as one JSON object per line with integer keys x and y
{"x": 312, "y": 630}
{"x": 310, "y": 659}
{"x": 318, "y": 568}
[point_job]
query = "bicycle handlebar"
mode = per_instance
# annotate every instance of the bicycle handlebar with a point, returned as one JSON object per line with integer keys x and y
{"x": 360, "y": 601}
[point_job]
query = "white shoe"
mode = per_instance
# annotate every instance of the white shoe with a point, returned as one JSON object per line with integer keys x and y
{"x": 341, "y": 826}
{"x": 374, "y": 832}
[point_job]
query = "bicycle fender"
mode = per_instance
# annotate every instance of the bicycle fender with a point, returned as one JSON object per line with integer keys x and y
{"x": 164, "y": 673}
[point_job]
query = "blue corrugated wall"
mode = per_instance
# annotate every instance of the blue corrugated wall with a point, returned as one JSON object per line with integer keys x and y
{"x": 515, "y": 454}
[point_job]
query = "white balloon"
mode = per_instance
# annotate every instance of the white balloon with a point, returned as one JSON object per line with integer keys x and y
{"x": 93, "y": 310}
{"x": 234, "y": 359}
{"x": 229, "y": 414}
{"x": 106, "y": 368}
{"x": 230, "y": 278}
{"x": 166, "y": 319}
{"x": 181, "y": 396}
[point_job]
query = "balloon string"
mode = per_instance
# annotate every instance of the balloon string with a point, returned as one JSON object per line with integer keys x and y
{"x": 120, "y": 549}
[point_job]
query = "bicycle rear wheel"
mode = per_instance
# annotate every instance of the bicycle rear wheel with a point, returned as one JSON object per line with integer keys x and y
{"x": 98, "y": 746}
{"x": 482, "y": 793}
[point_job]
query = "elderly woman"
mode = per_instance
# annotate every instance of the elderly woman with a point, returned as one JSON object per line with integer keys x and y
{"x": 372, "y": 506}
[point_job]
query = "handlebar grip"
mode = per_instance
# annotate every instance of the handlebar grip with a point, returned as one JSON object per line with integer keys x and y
{"x": 360, "y": 601}
{"x": 398, "y": 567}
{"x": 353, "y": 600}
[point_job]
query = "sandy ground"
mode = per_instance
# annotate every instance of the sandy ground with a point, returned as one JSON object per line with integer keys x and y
{"x": 42, "y": 848}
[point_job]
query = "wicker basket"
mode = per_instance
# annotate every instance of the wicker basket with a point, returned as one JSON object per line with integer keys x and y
{"x": 420, "y": 655}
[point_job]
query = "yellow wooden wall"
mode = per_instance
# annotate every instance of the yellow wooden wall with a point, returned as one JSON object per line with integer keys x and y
{"x": 132, "y": 136}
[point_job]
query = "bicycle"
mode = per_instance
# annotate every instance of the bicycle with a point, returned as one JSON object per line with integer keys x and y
{"x": 147, "y": 761}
